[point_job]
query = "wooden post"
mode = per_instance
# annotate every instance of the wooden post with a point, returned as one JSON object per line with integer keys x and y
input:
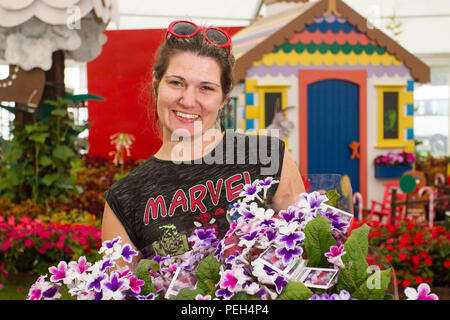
{"x": 393, "y": 203}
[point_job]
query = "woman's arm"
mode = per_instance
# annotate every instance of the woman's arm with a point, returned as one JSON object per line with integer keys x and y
{"x": 290, "y": 185}
{"x": 111, "y": 228}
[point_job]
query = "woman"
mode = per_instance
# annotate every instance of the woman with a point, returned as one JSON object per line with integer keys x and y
{"x": 199, "y": 170}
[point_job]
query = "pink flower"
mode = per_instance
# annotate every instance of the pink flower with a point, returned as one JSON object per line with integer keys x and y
{"x": 59, "y": 273}
{"x": 81, "y": 266}
{"x": 135, "y": 284}
{"x": 335, "y": 254}
{"x": 28, "y": 243}
{"x": 232, "y": 278}
{"x": 422, "y": 293}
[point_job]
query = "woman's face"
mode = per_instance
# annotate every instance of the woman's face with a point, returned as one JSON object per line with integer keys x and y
{"x": 189, "y": 95}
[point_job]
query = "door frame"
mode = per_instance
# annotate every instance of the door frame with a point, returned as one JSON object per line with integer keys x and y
{"x": 359, "y": 77}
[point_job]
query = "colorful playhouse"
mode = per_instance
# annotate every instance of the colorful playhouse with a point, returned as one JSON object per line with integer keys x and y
{"x": 345, "y": 86}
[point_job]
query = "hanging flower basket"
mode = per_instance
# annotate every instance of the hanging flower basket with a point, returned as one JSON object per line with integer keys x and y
{"x": 391, "y": 172}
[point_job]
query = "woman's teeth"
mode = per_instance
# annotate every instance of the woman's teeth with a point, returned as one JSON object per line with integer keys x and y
{"x": 186, "y": 116}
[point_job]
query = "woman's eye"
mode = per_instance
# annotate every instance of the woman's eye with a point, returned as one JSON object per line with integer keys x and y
{"x": 207, "y": 88}
{"x": 175, "y": 82}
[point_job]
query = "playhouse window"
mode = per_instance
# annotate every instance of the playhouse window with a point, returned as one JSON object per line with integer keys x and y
{"x": 269, "y": 97}
{"x": 390, "y": 128}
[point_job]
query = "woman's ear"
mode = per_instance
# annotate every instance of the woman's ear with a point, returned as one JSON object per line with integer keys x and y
{"x": 155, "y": 88}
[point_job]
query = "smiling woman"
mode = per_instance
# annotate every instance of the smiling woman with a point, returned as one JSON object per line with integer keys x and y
{"x": 192, "y": 179}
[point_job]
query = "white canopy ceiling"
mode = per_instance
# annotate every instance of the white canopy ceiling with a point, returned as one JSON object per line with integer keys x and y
{"x": 423, "y": 21}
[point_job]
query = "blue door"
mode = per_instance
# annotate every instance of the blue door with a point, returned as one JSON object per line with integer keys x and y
{"x": 333, "y": 124}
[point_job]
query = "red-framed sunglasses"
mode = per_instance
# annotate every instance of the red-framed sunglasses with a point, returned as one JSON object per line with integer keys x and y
{"x": 187, "y": 29}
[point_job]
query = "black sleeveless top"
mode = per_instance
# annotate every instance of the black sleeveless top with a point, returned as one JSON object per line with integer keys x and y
{"x": 161, "y": 202}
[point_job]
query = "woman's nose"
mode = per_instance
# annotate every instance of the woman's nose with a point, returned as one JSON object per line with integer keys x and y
{"x": 189, "y": 97}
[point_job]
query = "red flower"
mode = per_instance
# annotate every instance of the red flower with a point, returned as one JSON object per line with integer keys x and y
{"x": 410, "y": 226}
{"x": 447, "y": 264}
{"x": 415, "y": 259}
{"x": 418, "y": 280}
{"x": 390, "y": 248}
{"x": 403, "y": 241}
{"x": 389, "y": 258}
{"x": 402, "y": 256}
{"x": 406, "y": 283}
{"x": 428, "y": 261}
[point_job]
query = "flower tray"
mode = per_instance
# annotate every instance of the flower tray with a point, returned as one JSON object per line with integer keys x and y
{"x": 391, "y": 171}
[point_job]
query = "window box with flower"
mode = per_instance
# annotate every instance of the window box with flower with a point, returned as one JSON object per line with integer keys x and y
{"x": 393, "y": 165}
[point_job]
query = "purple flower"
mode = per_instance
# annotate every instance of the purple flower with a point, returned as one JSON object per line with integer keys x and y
{"x": 267, "y": 182}
{"x": 224, "y": 293}
{"x": 97, "y": 283}
{"x": 250, "y": 189}
{"x": 98, "y": 295}
{"x": 251, "y": 236}
{"x": 288, "y": 215}
{"x": 288, "y": 254}
{"x": 335, "y": 219}
{"x": 150, "y": 296}
{"x": 127, "y": 253}
{"x": 51, "y": 292}
{"x": 59, "y": 273}
{"x": 271, "y": 235}
{"x": 269, "y": 270}
{"x": 422, "y": 293}
{"x": 291, "y": 239}
{"x": 115, "y": 284}
{"x": 204, "y": 238}
{"x": 159, "y": 259}
{"x": 280, "y": 283}
{"x": 343, "y": 295}
{"x": 106, "y": 264}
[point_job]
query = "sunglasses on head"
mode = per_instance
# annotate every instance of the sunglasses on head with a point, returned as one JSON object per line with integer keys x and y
{"x": 187, "y": 29}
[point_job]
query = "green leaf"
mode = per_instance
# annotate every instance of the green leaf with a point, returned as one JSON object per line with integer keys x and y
{"x": 374, "y": 288}
{"x": 356, "y": 248}
{"x": 318, "y": 241}
{"x": 39, "y": 137}
{"x": 333, "y": 198}
{"x": 13, "y": 154}
{"x": 208, "y": 274}
{"x": 48, "y": 179}
{"x": 142, "y": 273}
{"x": 83, "y": 97}
{"x": 59, "y": 112}
{"x": 295, "y": 291}
{"x": 63, "y": 153}
{"x": 45, "y": 161}
{"x": 187, "y": 294}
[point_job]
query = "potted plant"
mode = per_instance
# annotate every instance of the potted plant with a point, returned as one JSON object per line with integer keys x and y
{"x": 393, "y": 165}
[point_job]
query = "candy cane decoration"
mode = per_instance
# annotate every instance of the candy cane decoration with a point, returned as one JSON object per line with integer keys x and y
{"x": 439, "y": 177}
{"x": 358, "y": 196}
{"x": 430, "y": 203}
